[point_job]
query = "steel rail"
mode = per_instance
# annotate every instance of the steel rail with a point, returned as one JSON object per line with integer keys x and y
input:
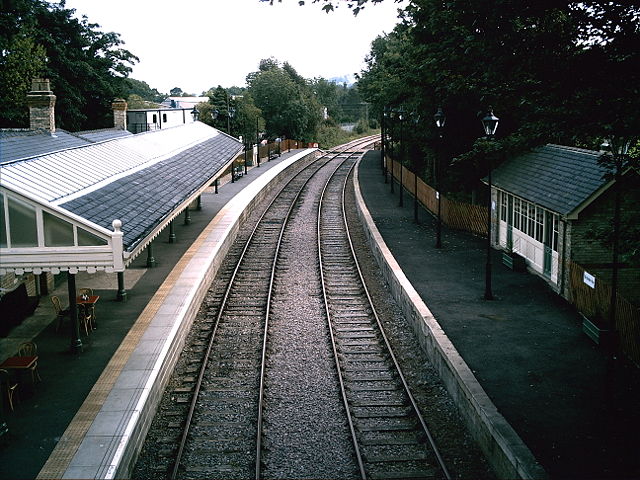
{"x": 212, "y": 337}
{"x": 423, "y": 423}
{"x": 354, "y": 438}
{"x": 268, "y": 309}
{"x": 396, "y": 366}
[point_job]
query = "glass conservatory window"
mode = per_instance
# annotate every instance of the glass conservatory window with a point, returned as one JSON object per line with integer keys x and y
{"x": 3, "y": 224}
{"x": 88, "y": 239}
{"x": 57, "y": 232}
{"x": 539, "y": 223}
{"x": 23, "y": 230}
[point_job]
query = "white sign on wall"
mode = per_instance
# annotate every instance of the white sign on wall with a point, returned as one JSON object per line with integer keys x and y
{"x": 589, "y": 279}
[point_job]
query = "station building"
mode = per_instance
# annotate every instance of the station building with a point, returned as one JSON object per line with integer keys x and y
{"x": 93, "y": 201}
{"x": 551, "y": 203}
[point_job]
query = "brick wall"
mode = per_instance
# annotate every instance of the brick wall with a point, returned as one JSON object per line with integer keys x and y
{"x": 597, "y": 257}
{"x": 10, "y": 281}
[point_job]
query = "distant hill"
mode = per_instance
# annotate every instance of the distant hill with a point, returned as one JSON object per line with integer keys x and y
{"x": 349, "y": 79}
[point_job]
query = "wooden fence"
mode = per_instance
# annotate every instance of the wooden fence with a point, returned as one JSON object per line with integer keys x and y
{"x": 595, "y": 303}
{"x": 458, "y": 215}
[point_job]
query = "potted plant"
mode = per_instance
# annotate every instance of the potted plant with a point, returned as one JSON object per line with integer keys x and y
{"x": 514, "y": 261}
{"x": 595, "y": 327}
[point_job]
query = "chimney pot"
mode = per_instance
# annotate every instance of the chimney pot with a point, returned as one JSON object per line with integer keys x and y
{"x": 119, "y": 107}
{"x": 41, "y": 102}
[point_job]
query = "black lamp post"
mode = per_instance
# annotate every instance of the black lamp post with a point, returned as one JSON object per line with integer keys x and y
{"x": 440, "y": 120}
{"x": 231, "y": 113}
{"x": 490, "y": 125}
{"x": 401, "y": 154}
{"x": 382, "y": 142}
{"x": 246, "y": 152}
{"x": 385, "y": 167}
{"x": 257, "y": 144}
{"x": 195, "y": 114}
{"x": 416, "y": 121}
{"x": 392, "y": 116}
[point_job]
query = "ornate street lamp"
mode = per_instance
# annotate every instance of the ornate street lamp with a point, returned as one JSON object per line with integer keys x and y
{"x": 490, "y": 125}
{"x": 257, "y": 144}
{"x": 440, "y": 120}
{"x": 195, "y": 114}
{"x": 416, "y": 121}
{"x": 392, "y": 116}
{"x": 385, "y": 167}
{"x": 231, "y": 113}
{"x": 401, "y": 117}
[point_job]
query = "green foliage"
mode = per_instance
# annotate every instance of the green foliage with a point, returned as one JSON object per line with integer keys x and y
{"x": 135, "y": 101}
{"x": 87, "y": 67}
{"x": 286, "y": 100}
{"x": 329, "y": 5}
{"x": 329, "y": 135}
{"x": 138, "y": 88}
{"x": 219, "y": 100}
{"x": 20, "y": 62}
{"x": 247, "y": 114}
{"x": 560, "y": 72}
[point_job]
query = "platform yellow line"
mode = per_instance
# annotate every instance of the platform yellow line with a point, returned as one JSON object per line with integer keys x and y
{"x": 68, "y": 445}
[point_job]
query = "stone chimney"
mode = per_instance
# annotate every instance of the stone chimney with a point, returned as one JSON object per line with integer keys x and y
{"x": 42, "y": 102}
{"x": 119, "y": 107}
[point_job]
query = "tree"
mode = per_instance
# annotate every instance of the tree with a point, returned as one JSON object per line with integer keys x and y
{"x": 219, "y": 101}
{"x": 144, "y": 91}
{"x": 246, "y": 116}
{"x": 553, "y": 71}
{"x": 288, "y": 105}
{"x": 20, "y": 62}
{"x": 176, "y": 92}
{"x": 87, "y": 67}
{"x": 330, "y": 5}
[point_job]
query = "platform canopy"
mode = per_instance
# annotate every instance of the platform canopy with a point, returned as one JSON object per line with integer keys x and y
{"x": 95, "y": 207}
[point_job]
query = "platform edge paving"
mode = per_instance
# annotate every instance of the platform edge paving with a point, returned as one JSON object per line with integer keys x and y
{"x": 103, "y": 442}
{"x": 503, "y": 447}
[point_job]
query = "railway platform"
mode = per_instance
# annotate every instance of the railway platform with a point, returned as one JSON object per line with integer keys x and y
{"x": 525, "y": 348}
{"x": 54, "y": 417}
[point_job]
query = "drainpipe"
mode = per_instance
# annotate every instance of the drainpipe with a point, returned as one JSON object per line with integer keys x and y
{"x": 563, "y": 263}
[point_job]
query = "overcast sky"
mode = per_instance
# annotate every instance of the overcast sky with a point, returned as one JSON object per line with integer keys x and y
{"x": 198, "y": 44}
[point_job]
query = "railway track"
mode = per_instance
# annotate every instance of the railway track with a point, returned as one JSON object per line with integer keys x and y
{"x": 390, "y": 436}
{"x": 224, "y": 383}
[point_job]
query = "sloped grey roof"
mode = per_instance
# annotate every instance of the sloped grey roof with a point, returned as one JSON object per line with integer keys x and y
{"x": 18, "y": 143}
{"x": 141, "y": 200}
{"x": 59, "y": 176}
{"x": 556, "y": 177}
{"x": 138, "y": 179}
{"x": 103, "y": 134}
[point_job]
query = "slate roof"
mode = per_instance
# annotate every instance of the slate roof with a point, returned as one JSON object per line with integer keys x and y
{"x": 21, "y": 143}
{"x": 556, "y": 177}
{"x": 56, "y": 177}
{"x": 141, "y": 200}
{"x": 103, "y": 134}
{"x": 138, "y": 179}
